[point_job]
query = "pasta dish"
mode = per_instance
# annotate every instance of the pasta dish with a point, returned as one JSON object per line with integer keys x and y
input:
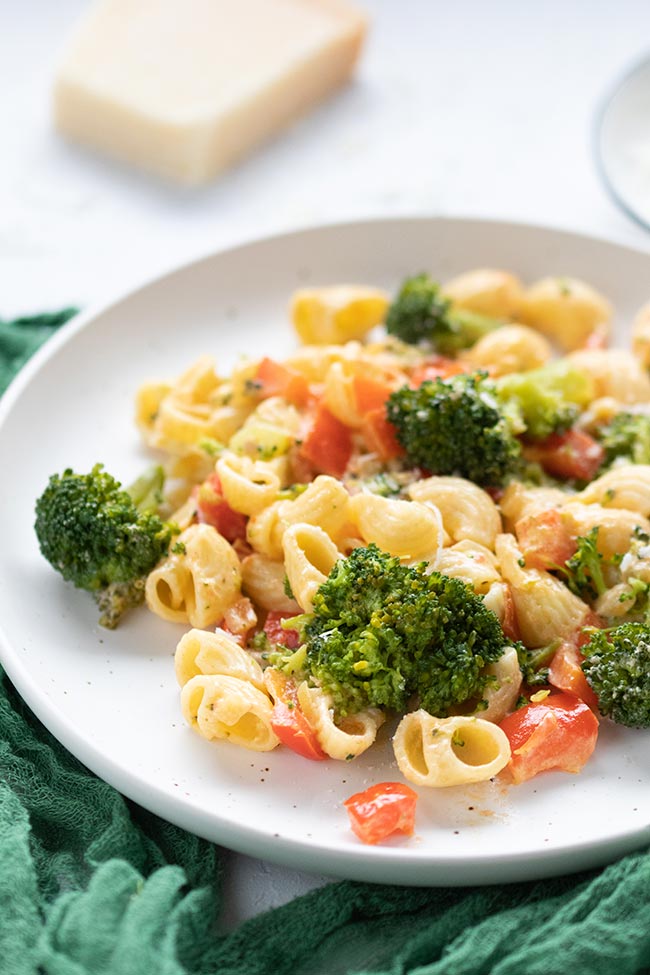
{"x": 430, "y": 521}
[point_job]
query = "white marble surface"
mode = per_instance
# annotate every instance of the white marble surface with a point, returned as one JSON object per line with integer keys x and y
{"x": 459, "y": 108}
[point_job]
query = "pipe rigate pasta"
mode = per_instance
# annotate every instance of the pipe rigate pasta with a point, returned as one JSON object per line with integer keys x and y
{"x": 408, "y": 529}
{"x": 248, "y": 486}
{"x": 263, "y": 580}
{"x": 501, "y": 694}
{"x": 615, "y": 373}
{"x": 217, "y": 706}
{"x": 323, "y": 503}
{"x": 520, "y": 501}
{"x": 337, "y": 313}
{"x": 197, "y": 581}
{"x": 189, "y": 410}
{"x": 203, "y": 652}
{"x": 627, "y": 486}
{"x": 467, "y": 511}
{"x": 616, "y": 526}
{"x": 566, "y": 310}
{"x": 444, "y": 752}
{"x": 471, "y": 562}
{"x": 343, "y": 740}
{"x": 314, "y": 361}
{"x": 309, "y": 557}
{"x": 487, "y": 291}
{"x": 339, "y": 394}
{"x": 511, "y": 348}
{"x": 546, "y": 609}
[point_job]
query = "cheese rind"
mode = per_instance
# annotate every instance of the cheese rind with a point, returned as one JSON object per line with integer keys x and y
{"x": 185, "y": 88}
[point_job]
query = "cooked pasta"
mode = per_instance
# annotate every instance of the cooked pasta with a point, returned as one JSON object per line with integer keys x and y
{"x": 248, "y": 486}
{"x": 566, "y": 310}
{"x": 500, "y": 696}
{"x": 512, "y": 348}
{"x": 221, "y": 706}
{"x": 443, "y": 752}
{"x": 409, "y": 529}
{"x": 309, "y": 557}
{"x": 197, "y": 581}
{"x": 337, "y": 313}
{"x": 625, "y": 487}
{"x": 546, "y": 609}
{"x": 615, "y": 373}
{"x": 487, "y": 291}
{"x": 263, "y": 579}
{"x": 202, "y": 652}
{"x": 343, "y": 740}
{"x": 471, "y": 562}
{"x": 467, "y": 511}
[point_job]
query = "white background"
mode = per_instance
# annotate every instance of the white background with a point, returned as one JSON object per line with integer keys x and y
{"x": 460, "y": 108}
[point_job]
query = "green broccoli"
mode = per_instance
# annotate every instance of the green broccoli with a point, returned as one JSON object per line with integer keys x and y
{"x": 584, "y": 570}
{"x": 546, "y": 400}
{"x": 534, "y": 663}
{"x": 456, "y": 426}
{"x": 626, "y": 437}
{"x": 421, "y": 313}
{"x": 102, "y": 538}
{"x": 617, "y": 668}
{"x": 381, "y": 632}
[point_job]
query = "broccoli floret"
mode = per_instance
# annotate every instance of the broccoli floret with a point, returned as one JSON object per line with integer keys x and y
{"x": 381, "y": 632}
{"x": 584, "y": 570}
{"x": 617, "y": 668}
{"x": 548, "y": 400}
{"x": 455, "y": 426}
{"x": 421, "y": 313}
{"x": 626, "y": 437}
{"x": 99, "y": 538}
{"x": 534, "y": 663}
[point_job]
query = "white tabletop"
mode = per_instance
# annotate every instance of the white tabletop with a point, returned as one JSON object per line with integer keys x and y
{"x": 463, "y": 108}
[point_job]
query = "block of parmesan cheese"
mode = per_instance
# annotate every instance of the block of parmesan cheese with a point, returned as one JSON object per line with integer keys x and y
{"x": 185, "y": 88}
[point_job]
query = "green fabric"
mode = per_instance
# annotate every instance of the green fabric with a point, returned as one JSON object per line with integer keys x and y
{"x": 20, "y": 338}
{"x": 91, "y": 884}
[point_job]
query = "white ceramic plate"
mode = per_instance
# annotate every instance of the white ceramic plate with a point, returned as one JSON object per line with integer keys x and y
{"x": 111, "y": 698}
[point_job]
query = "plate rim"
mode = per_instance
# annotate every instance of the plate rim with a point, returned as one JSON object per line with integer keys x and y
{"x": 353, "y": 862}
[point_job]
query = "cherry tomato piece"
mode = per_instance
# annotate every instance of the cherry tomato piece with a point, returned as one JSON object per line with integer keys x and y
{"x": 328, "y": 443}
{"x": 544, "y": 540}
{"x": 380, "y": 435}
{"x": 558, "y": 732}
{"x": 213, "y": 509}
{"x": 573, "y": 455}
{"x": 381, "y": 811}
{"x": 288, "y": 719}
{"x": 566, "y": 673}
{"x": 275, "y": 379}
{"x": 278, "y": 634}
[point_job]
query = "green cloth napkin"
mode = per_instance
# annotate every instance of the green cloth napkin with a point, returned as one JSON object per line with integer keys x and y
{"x": 91, "y": 884}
